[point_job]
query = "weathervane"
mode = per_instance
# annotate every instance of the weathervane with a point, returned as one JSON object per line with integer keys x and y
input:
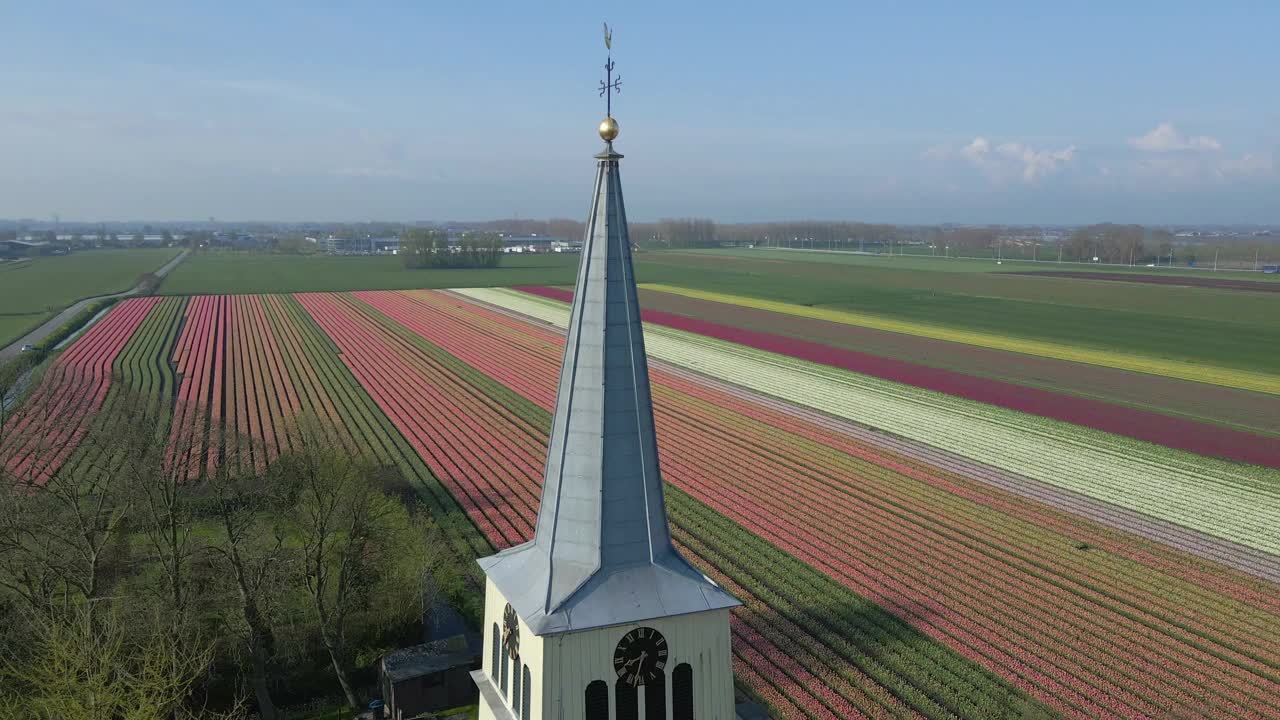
{"x": 608, "y": 86}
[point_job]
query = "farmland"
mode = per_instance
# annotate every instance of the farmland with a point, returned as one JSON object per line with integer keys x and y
{"x": 1197, "y": 325}
{"x": 241, "y": 272}
{"x": 909, "y": 538}
{"x": 1226, "y": 328}
{"x": 33, "y": 290}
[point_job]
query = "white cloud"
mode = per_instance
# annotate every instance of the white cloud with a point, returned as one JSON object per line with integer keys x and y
{"x": 977, "y": 149}
{"x": 1166, "y": 138}
{"x": 1008, "y": 162}
{"x": 1037, "y": 164}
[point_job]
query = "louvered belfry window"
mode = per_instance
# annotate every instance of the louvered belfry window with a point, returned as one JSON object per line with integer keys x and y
{"x": 627, "y": 701}
{"x": 505, "y": 661}
{"x": 515, "y": 685}
{"x": 598, "y": 700}
{"x": 525, "y": 702}
{"x": 497, "y": 647}
{"x": 682, "y": 692}
{"x": 655, "y": 698}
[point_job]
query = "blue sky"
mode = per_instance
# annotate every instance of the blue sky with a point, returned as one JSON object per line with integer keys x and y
{"x": 897, "y": 112}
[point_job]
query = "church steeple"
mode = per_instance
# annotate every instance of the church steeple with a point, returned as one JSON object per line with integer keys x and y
{"x": 599, "y": 616}
{"x": 602, "y": 553}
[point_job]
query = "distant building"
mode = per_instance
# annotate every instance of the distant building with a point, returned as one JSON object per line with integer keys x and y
{"x": 361, "y": 245}
{"x": 538, "y": 244}
{"x": 22, "y": 248}
{"x": 385, "y": 246}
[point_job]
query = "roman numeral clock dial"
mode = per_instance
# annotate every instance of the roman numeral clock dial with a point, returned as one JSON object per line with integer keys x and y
{"x": 511, "y": 632}
{"x": 641, "y": 656}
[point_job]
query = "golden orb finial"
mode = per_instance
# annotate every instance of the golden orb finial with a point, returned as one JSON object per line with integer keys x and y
{"x": 608, "y": 129}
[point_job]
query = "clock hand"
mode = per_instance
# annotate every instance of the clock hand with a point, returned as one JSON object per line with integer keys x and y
{"x": 639, "y": 666}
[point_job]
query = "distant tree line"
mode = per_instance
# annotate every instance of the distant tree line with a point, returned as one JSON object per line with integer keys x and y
{"x": 148, "y": 581}
{"x": 422, "y": 248}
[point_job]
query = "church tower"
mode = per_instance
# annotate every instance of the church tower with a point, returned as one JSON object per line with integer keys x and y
{"x": 599, "y": 617}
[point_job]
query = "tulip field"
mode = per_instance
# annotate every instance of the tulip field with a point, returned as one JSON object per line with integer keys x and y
{"x": 39, "y": 437}
{"x": 906, "y": 544}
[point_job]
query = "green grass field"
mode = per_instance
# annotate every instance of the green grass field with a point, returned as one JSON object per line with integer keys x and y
{"x": 31, "y": 292}
{"x": 13, "y": 326}
{"x": 244, "y": 273}
{"x": 1220, "y": 327}
{"x": 843, "y": 280}
{"x": 968, "y": 265}
{"x": 921, "y": 259}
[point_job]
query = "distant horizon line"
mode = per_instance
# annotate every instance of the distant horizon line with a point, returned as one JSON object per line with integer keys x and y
{"x": 47, "y": 224}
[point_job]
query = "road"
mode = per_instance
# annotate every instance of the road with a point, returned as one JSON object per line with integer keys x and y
{"x": 56, "y": 321}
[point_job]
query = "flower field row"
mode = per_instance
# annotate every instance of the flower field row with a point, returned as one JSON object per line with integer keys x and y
{"x": 1233, "y": 502}
{"x": 143, "y": 382}
{"x": 235, "y": 383}
{"x": 38, "y": 438}
{"x": 330, "y": 390}
{"x": 1071, "y": 505}
{"x": 1093, "y": 633}
{"x": 891, "y": 355}
{"x": 1244, "y": 379}
{"x": 228, "y": 375}
{"x": 1154, "y": 427}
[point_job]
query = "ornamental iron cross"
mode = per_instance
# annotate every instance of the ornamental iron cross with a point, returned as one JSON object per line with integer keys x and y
{"x": 610, "y": 84}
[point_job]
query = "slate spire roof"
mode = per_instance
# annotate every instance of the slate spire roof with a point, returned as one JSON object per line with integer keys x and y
{"x": 602, "y": 552}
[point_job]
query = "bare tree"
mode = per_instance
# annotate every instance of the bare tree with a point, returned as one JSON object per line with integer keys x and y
{"x": 251, "y": 548}
{"x": 361, "y": 553}
{"x": 156, "y": 477}
{"x": 55, "y": 529}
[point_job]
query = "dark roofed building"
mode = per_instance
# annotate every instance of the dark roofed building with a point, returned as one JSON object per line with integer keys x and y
{"x": 435, "y": 675}
{"x": 429, "y": 678}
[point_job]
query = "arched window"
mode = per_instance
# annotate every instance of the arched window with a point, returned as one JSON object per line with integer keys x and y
{"x": 497, "y": 647}
{"x": 655, "y": 698}
{"x": 682, "y": 692}
{"x": 628, "y": 702}
{"x": 598, "y": 700}
{"x": 505, "y": 659}
{"x": 525, "y": 702}
{"x": 515, "y": 685}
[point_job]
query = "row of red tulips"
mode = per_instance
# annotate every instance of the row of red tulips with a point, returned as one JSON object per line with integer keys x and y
{"x": 237, "y": 367}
